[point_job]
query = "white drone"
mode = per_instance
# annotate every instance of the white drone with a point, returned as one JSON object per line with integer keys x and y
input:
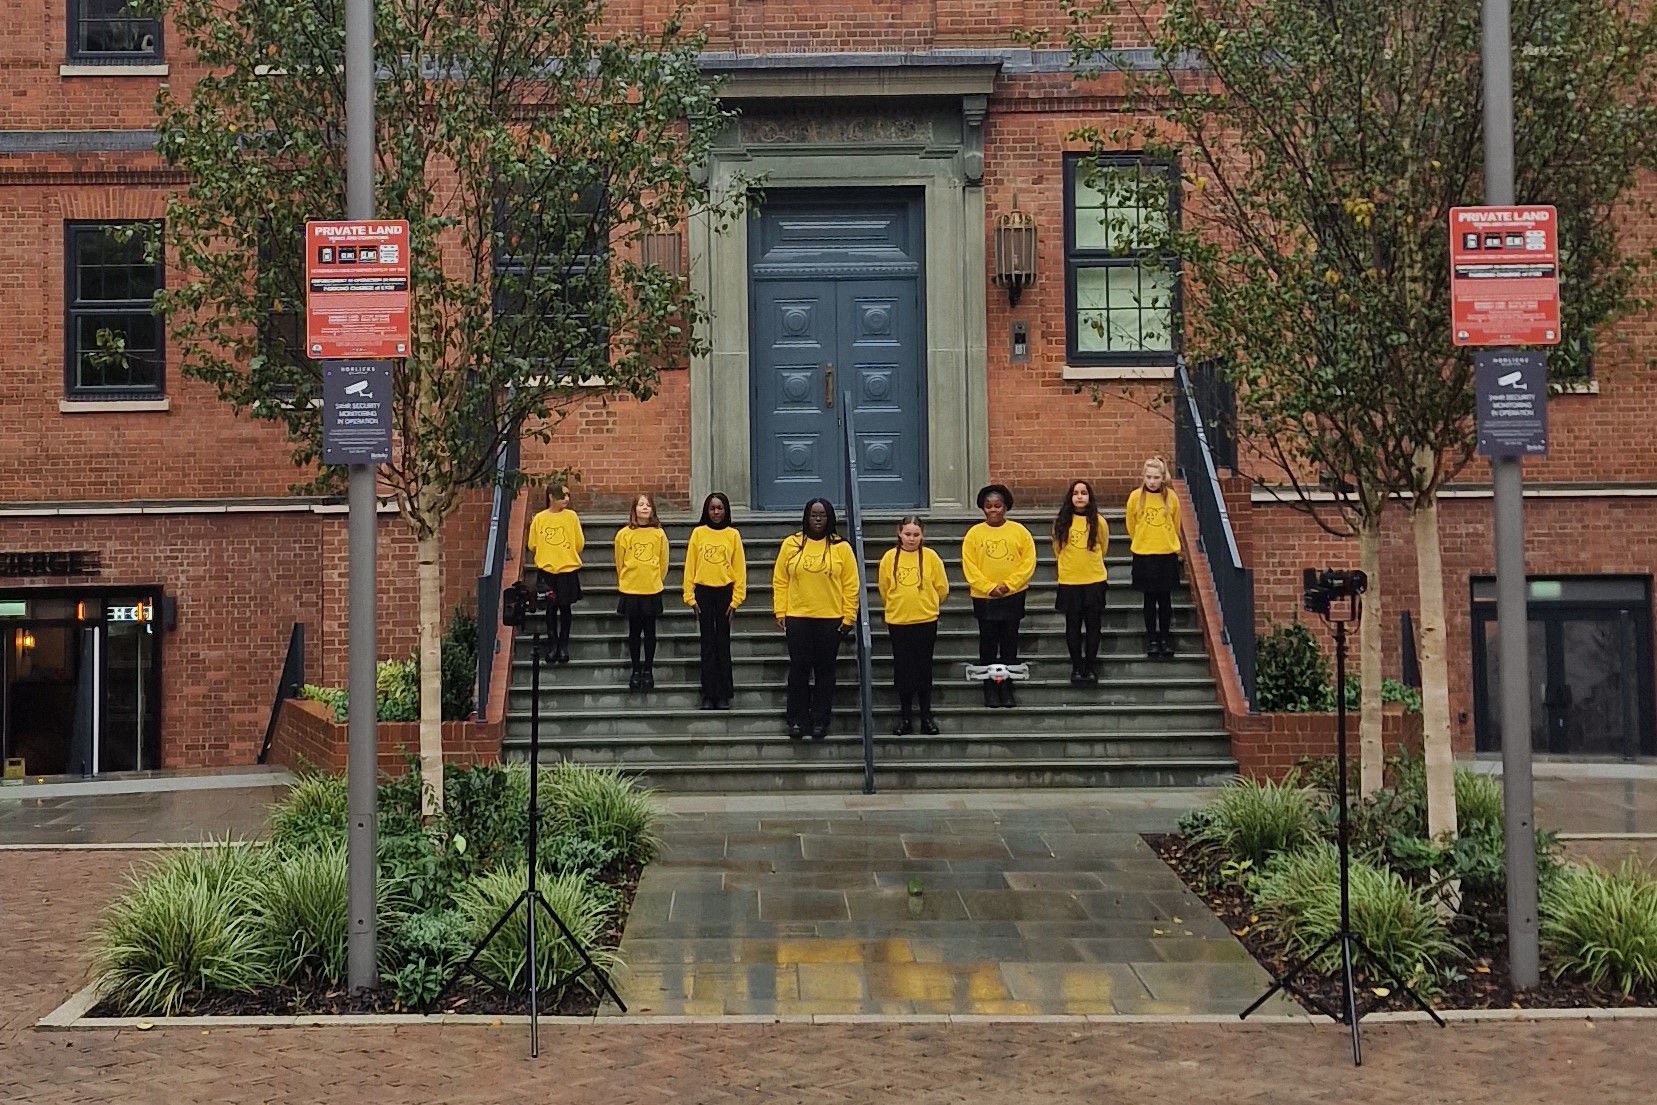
{"x": 997, "y": 673}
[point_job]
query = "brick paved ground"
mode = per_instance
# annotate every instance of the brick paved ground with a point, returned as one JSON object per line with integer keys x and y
{"x": 46, "y": 900}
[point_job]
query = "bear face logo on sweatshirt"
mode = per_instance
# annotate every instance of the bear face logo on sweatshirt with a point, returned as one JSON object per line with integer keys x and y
{"x": 998, "y": 548}
{"x": 716, "y": 554}
{"x": 643, "y": 550}
{"x": 907, "y": 575}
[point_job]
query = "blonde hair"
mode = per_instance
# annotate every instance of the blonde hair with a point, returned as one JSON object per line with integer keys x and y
{"x": 1157, "y": 460}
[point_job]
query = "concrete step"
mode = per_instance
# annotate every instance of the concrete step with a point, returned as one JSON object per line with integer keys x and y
{"x": 663, "y": 721}
{"x": 955, "y": 642}
{"x": 1130, "y": 667}
{"x": 735, "y": 748}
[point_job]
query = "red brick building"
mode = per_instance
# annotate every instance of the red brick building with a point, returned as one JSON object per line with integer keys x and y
{"x": 892, "y": 137}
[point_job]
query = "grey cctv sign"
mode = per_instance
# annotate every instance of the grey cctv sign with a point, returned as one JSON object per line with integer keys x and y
{"x": 356, "y": 412}
{"x": 1512, "y": 388}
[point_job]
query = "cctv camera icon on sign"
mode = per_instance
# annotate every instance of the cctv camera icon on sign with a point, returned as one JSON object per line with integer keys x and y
{"x": 358, "y": 388}
{"x": 1513, "y": 380}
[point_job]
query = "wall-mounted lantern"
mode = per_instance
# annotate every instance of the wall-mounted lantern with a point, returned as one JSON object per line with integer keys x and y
{"x": 662, "y": 251}
{"x": 1015, "y": 252}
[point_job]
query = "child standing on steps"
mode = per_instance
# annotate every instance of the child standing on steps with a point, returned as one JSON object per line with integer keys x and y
{"x": 641, "y": 570}
{"x": 716, "y": 582}
{"x": 1080, "y": 540}
{"x": 555, "y": 544}
{"x": 998, "y": 557}
{"x": 814, "y": 597}
{"x": 913, "y": 585}
{"x": 1153, "y": 528}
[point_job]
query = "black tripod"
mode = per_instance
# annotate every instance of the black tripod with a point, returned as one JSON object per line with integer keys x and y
{"x": 531, "y": 897}
{"x": 1348, "y": 1014}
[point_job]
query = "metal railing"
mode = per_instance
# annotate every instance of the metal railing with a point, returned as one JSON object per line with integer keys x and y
{"x": 865, "y": 641}
{"x": 495, "y": 554}
{"x": 1233, "y": 581}
{"x": 291, "y": 684}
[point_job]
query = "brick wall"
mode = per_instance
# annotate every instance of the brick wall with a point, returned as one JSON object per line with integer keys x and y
{"x": 307, "y": 737}
{"x": 1269, "y": 746}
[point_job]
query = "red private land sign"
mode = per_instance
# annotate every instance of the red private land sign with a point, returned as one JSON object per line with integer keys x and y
{"x": 1504, "y": 275}
{"x": 357, "y": 290}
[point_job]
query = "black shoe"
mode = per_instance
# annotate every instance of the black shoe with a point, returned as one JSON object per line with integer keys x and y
{"x": 928, "y": 726}
{"x": 1007, "y": 699}
{"x": 1089, "y": 676}
{"x": 1077, "y": 677}
{"x": 903, "y": 727}
{"x": 707, "y": 704}
{"x": 991, "y": 698}
{"x": 722, "y": 704}
{"x": 819, "y": 732}
{"x": 1168, "y": 646}
{"x": 796, "y": 732}
{"x": 562, "y": 656}
{"x": 649, "y": 677}
{"x": 635, "y": 681}
{"x": 1153, "y": 646}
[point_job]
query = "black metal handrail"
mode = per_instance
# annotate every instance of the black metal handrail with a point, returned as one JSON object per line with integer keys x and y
{"x": 291, "y": 684}
{"x": 1233, "y": 580}
{"x": 497, "y": 550}
{"x": 865, "y": 640}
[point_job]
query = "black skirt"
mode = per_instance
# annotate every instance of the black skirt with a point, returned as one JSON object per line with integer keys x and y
{"x": 563, "y": 589}
{"x": 640, "y": 606}
{"x": 1080, "y": 598}
{"x": 1008, "y": 608}
{"x": 1156, "y": 574}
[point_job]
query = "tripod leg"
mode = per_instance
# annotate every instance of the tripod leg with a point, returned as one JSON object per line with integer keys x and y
{"x": 1398, "y": 984}
{"x": 477, "y": 950}
{"x": 1349, "y": 996}
{"x": 1287, "y": 982}
{"x": 587, "y": 960}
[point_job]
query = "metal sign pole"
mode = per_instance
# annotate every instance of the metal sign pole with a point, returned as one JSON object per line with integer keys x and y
{"x": 1507, "y": 476}
{"x": 865, "y": 642}
{"x": 362, "y": 734}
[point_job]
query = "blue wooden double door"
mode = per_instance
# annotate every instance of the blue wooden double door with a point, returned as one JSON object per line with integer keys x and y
{"x": 836, "y": 293}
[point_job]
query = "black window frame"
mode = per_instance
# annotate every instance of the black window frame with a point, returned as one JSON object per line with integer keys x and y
{"x": 508, "y": 262}
{"x": 288, "y": 325}
{"x": 1076, "y": 258}
{"x": 74, "y": 308}
{"x": 78, "y": 20}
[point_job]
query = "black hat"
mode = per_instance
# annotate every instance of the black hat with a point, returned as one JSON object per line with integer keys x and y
{"x": 995, "y": 489}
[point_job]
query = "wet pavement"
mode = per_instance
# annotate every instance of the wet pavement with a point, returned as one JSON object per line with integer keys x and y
{"x": 116, "y": 813}
{"x": 1024, "y": 903}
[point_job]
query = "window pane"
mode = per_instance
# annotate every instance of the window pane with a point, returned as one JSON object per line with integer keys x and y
{"x": 1119, "y": 206}
{"x": 1124, "y": 308}
{"x": 108, "y": 364}
{"x": 109, "y": 27}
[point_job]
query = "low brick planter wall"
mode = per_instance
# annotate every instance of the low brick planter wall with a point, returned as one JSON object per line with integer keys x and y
{"x": 307, "y": 736}
{"x": 1267, "y": 746}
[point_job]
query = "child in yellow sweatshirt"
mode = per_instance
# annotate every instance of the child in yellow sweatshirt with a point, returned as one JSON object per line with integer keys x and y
{"x": 1080, "y": 540}
{"x": 913, "y": 585}
{"x": 555, "y": 545}
{"x": 814, "y": 597}
{"x": 716, "y": 582}
{"x": 998, "y": 557}
{"x": 641, "y": 570}
{"x": 1153, "y": 528}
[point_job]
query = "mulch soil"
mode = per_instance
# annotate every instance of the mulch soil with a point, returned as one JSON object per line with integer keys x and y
{"x": 566, "y": 998}
{"x": 1481, "y": 930}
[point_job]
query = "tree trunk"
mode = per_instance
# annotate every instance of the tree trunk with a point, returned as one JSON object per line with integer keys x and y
{"x": 1371, "y": 753}
{"x": 1435, "y": 676}
{"x": 431, "y": 674}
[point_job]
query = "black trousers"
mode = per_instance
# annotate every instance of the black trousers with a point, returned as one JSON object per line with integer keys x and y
{"x": 813, "y": 646}
{"x": 912, "y": 647}
{"x": 1081, "y": 636}
{"x": 559, "y": 619}
{"x": 714, "y": 625}
{"x": 1159, "y": 613}
{"x": 997, "y": 641}
{"x": 641, "y": 630}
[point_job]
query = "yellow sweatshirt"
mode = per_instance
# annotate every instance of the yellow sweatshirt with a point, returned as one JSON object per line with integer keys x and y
{"x": 1079, "y": 564}
{"x": 714, "y": 559}
{"x": 556, "y": 541}
{"x": 998, "y": 554}
{"x": 815, "y": 579}
{"x": 912, "y": 586}
{"x": 1153, "y": 522}
{"x": 641, "y": 559}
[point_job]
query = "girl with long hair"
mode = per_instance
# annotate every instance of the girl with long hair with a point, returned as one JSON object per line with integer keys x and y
{"x": 641, "y": 571}
{"x": 913, "y": 585}
{"x": 555, "y": 546}
{"x": 1080, "y": 540}
{"x": 716, "y": 582}
{"x": 814, "y": 597}
{"x": 1153, "y": 529}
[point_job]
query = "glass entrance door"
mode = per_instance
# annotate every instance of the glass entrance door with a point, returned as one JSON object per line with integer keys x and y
{"x": 1590, "y": 670}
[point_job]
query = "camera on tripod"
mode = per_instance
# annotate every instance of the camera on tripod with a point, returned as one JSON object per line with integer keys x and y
{"x": 1319, "y": 590}
{"x": 519, "y": 602}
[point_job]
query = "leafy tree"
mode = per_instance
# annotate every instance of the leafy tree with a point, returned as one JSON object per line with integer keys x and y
{"x": 1321, "y": 145}
{"x": 530, "y": 147}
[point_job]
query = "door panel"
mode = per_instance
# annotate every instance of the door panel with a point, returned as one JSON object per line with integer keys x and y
{"x": 836, "y": 308}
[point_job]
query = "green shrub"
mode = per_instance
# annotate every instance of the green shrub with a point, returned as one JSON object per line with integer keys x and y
{"x": 420, "y": 953}
{"x": 185, "y": 927}
{"x": 605, "y": 806}
{"x": 482, "y": 901}
{"x": 486, "y": 806}
{"x": 1478, "y": 802}
{"x": 397, "y": 690}
{"x": 312, "y": 813}
{"x": 1601, "y": 925}
{"x": 335, "y": 698}
{"x": 1290, "y": 671}
{"x": 1298, "y": 895}
{"x": 460, "y": 666}
{"x": 304, "y": 905}
{"x": 1253, "y": 820}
